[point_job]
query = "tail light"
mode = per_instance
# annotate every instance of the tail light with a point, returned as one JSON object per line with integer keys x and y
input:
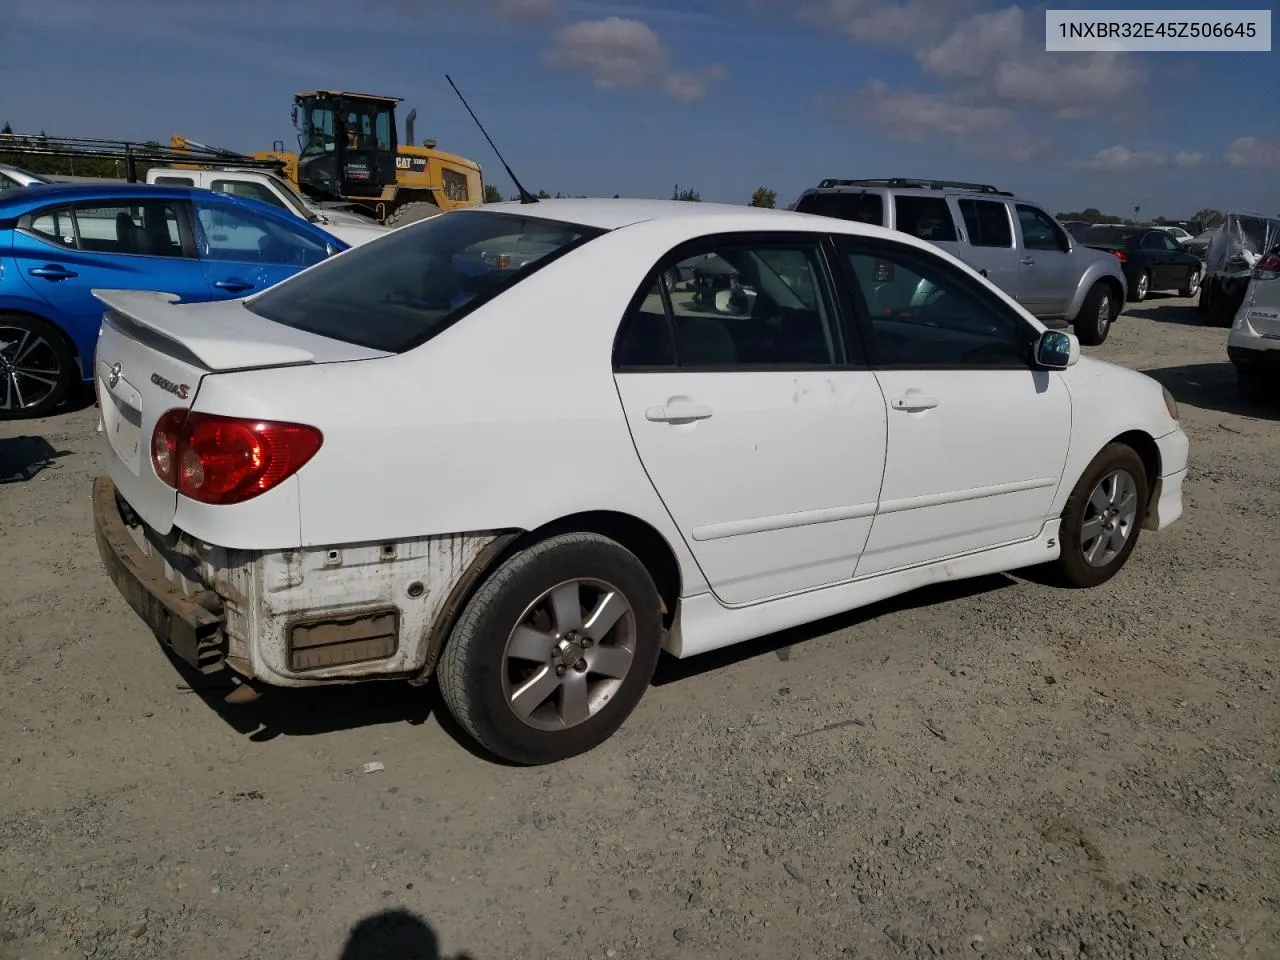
{"x": 223, "y": 460}
{"x": 1268, "y": 268}
{"x": 1120, "y": 255}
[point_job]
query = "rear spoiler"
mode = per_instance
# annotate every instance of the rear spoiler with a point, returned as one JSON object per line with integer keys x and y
{"x": 215, "y": 346}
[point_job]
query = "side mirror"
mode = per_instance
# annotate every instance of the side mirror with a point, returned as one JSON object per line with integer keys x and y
{"x": 1056, "y": 350}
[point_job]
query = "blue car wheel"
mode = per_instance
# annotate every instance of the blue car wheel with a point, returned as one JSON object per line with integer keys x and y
{"x": 37, "y": 368}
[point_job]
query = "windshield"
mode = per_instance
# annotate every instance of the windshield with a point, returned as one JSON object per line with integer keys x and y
{"x": 399, "y": 291}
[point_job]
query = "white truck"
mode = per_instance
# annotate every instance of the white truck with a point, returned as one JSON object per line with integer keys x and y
{"x": 354, "y": 228}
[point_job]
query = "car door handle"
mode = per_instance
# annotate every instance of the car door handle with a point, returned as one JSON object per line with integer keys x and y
{"x": 677, "y": 413}
{"x": 1026, "y": 261}
{"x": 52, "y": 271}
{"x": 914, "y": 403}
{"x": 233, "y": 285}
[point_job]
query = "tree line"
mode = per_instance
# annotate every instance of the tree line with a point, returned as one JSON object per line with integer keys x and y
{"x": 1208, "y": 217}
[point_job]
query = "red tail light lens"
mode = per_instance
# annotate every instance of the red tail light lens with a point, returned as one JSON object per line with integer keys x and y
{"x": 223, "y": 460}
{"x": 1268, "y": 268}
{"x": 1120, "y": 255}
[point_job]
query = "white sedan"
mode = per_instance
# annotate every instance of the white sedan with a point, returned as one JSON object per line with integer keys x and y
{"x": 513, "y": 448}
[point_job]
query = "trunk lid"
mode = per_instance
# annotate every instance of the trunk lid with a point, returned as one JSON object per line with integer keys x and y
{"x": 152, "y": 356}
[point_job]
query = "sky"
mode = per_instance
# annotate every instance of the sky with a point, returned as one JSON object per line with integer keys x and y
{"x": 719, "y": 96}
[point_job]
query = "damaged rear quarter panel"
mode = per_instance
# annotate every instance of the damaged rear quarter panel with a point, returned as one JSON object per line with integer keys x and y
{"x": 265, "y": 594}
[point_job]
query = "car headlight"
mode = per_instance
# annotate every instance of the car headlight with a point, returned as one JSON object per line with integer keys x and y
{"x": 1170, "y": 404}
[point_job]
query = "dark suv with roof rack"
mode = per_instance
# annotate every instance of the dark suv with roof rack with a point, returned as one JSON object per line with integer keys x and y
{"x": 1012, "y": 242}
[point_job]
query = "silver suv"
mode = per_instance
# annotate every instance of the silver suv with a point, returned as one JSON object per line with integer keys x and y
{"x": 1013, "y": 243}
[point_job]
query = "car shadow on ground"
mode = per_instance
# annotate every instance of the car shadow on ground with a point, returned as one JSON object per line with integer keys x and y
{"x": 1210, "y": 386}
{"x": 21, "y": 458}
{"x": 1176, "y": 311}
{"x": 321, "y": 710}
{"x": 671, "y": 670}
{"x": 394, "y": 935}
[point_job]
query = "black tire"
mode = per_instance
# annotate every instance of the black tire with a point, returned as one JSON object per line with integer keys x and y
{"x": 1255, "y": 390}
{"x": 411, "y": 213}
{"x": 1071, "y": 569}
{"x": 472, "y": 673}
{"x": 1193, "y": 284}
{"x": 1090, "y": 325}
{"x": 1136, "y": 293}
{"x": 51, "y": 356}
{"x": 1206, "y": 294}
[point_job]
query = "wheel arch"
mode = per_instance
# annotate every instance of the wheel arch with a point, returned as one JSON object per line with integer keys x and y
{"x": 632, "y": 533}
{"x": 1145, "y": 446}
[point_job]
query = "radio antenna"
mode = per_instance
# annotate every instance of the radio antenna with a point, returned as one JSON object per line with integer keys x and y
{"x": 525, "y": 195}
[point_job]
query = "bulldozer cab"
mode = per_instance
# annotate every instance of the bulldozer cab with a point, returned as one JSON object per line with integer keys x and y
{"x": 347, "y": 142}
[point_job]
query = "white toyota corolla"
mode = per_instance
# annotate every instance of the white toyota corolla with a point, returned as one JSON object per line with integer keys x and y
{"x": 524, "y": 448}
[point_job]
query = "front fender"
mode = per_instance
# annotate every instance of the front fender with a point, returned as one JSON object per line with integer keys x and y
{"x": 1099, "y": 270}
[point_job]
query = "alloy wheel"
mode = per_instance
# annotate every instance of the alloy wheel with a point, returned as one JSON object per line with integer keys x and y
{"x": 1109, "y": 518}
{"x": 568, "y": 654}
{"x": 29, "y": 368}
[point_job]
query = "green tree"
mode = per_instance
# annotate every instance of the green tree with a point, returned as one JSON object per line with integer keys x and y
{"x": 1209, "y": 217}
{"x": 691, "y": 195}
{"x": 8, "y": 130}
{"x": 764, "y": 197}
{"x": 492, "y": 194}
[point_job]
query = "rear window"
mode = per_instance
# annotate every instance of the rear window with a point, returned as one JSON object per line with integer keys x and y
{"x": 400, "y": 290}
{"x": 860, "y": 207}
{"x": 928, "y": 218}
{"x": 1112, "y": 236}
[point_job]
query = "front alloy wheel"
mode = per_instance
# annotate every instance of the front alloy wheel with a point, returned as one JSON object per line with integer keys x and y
{"x": 1103, "y": 518}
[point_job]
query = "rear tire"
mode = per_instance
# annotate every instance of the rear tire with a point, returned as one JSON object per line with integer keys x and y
{"x": 412, "y": 213}
{"x": 37, "y": 367}
{"x": 1109, "y": 503}
{"x": 1093, "y": 322}
{"x": 1193, "y": 285}
{"x": 516, "y": 673}
{"x": 1141, "y": 288}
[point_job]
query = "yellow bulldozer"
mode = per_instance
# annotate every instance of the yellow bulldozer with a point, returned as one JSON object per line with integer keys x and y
{"x": 348, "y": 152}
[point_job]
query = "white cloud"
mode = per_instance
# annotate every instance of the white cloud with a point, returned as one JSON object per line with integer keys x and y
{"x": 1120, "y": 159}
{"x": 976, "y": 46}
{"x": 619, "y": 52}
{"x": 1253, "y": 152}
{"x": 1067, "y": 84}
{"x": 912, "y": 115}
{"x": 902, "y": 22}
{"x": 1188, "y": 158}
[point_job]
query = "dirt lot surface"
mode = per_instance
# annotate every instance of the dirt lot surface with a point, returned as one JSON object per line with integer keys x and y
{"x": 1000, "y": 769}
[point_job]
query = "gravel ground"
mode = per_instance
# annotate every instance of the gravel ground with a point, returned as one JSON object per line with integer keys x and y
{"x": 998, "y": 769}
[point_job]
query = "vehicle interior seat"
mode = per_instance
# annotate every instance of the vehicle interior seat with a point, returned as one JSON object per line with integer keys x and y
{"x": 126, "y": 233}
{"x": 704, "y": 341}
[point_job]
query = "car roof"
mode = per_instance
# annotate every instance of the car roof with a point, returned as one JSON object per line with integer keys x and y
{"x": 610, "y": 214}
{"x": 13, "y": 203}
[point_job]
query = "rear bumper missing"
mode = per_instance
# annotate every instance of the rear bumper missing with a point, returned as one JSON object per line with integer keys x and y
{"x": 294, "y": 617}
{"x": 190, "y": 630}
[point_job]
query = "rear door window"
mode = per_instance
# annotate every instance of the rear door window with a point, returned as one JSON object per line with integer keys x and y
{"x": 859, "y": 207}
{"x": 928, "y": 218}
{"x": 987, "y": 222}
{"x": 405, "y": 288}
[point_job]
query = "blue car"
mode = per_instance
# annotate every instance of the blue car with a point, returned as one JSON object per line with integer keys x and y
{"x": 59, "y": 242}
